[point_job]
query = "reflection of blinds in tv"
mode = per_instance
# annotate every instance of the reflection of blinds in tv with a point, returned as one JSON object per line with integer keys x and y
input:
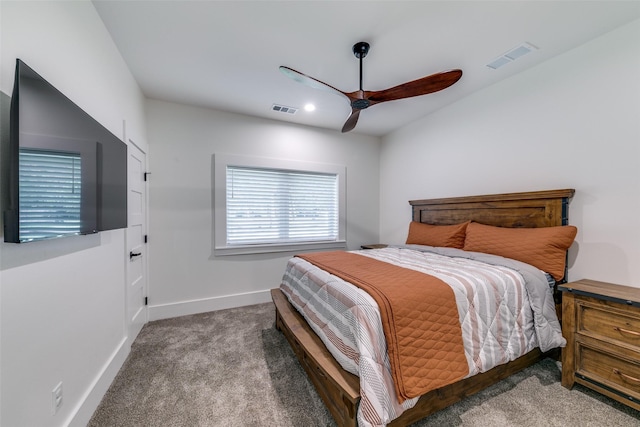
{"x": 50, "y": 194}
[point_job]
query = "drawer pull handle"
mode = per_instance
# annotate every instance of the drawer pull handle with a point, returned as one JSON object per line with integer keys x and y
{"x": 626, "y": 377}
{"x": 626, "y": 331}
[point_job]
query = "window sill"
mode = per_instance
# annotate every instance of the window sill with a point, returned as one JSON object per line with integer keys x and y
{"x": 286, "y": 247}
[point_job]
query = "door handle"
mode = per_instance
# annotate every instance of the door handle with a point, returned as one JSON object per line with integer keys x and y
{"x": 132, "y": 254}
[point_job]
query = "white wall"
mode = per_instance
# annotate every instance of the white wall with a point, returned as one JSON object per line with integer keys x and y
{"x": 62, "y": 302}
{"x": 571, "y": 122}
{"x": 185, "y": 276}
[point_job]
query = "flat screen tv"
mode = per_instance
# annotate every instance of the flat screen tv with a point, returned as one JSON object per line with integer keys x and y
{"x": 64, "y": 173}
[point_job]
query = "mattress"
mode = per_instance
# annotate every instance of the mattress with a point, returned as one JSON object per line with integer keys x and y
{"x": 505, "y": 309}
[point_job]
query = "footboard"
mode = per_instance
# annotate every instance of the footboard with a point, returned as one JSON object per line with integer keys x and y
{"x": 340, "y": 390}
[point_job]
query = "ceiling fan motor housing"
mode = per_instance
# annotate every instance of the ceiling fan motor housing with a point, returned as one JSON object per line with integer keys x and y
{"x": 361, "y": 49}
{"x": 360, "y": 104}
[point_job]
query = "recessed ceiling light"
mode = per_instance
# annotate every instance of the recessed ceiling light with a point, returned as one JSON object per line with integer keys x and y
{"x": 309, "y": 107}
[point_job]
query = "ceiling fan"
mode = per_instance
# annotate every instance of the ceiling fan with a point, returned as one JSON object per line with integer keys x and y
{"x": 363, "y": 99}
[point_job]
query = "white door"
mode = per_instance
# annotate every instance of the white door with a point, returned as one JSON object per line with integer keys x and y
{"x": 136, "y": 232}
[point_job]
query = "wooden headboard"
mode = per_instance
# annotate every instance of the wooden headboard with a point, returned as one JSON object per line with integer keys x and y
{"x": 530, "y": 209}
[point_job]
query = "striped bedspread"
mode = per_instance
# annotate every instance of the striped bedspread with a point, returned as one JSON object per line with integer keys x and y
{"x": 493, "y": 302}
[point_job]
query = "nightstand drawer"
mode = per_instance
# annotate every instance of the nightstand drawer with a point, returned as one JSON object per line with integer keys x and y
{"x": 606, "y": 368}
{"x": 599, "y": 320}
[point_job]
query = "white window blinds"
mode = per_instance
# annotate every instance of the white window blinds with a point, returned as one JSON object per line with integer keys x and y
{"x": 50, "y": 194}
{"x": 267, "y": 206}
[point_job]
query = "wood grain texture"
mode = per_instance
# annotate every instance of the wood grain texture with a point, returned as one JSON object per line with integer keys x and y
{"x": 568, "y": 331}
{"x": 338, "y": 389}
{"x": 603, "y": 289}
{"x": 601, "y": 324}
{"x": 531, "y": 210}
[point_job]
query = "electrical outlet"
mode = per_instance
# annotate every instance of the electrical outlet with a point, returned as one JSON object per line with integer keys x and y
{"x": 56, "y": 398}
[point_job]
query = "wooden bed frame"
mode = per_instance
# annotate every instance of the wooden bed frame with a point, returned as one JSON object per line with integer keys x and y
{"x": 339, "y": 389}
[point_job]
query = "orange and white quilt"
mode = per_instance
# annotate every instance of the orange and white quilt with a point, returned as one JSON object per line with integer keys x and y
{"x": 495, "y": 318}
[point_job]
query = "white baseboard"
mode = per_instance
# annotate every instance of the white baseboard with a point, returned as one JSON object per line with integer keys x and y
{"x": 81, "y": 415}
{"x": 83, "y": 412}
{"x": 185, "y": 308}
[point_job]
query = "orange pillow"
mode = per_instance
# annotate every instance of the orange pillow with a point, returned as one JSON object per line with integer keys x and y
{"x": 451, "y": 236}
{"x": 545, "y": 248}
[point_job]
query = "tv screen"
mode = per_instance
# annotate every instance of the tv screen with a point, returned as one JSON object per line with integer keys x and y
{"x": 66, "y": 174}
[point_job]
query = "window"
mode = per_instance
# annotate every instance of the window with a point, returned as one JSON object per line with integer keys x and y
{"x": 268, "y": 205}
{"x": 50, "y": 191}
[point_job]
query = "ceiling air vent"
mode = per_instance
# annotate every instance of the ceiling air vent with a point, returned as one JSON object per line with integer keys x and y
{"x": 284, "y": 109}
{"x": 512, "y": 55}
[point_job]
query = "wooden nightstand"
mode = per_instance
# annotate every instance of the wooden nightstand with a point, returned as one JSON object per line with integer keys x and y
{"x": 601, "y": 322}
{"x": 374, "y": 246}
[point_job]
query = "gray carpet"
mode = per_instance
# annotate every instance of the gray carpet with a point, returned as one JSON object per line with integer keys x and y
{"x": 232, "y": 368}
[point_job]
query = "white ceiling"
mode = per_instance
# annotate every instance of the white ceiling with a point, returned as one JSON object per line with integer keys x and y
{"x": 225, "y": 54}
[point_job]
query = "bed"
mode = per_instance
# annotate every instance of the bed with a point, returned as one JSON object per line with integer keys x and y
{"x": 346, "y": 397}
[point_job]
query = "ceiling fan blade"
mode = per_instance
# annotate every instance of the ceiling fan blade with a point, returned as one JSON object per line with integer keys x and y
{"x": 423, "y": 86}
{"x": 351, "y": 121}
{"x": 309, "y": 81}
